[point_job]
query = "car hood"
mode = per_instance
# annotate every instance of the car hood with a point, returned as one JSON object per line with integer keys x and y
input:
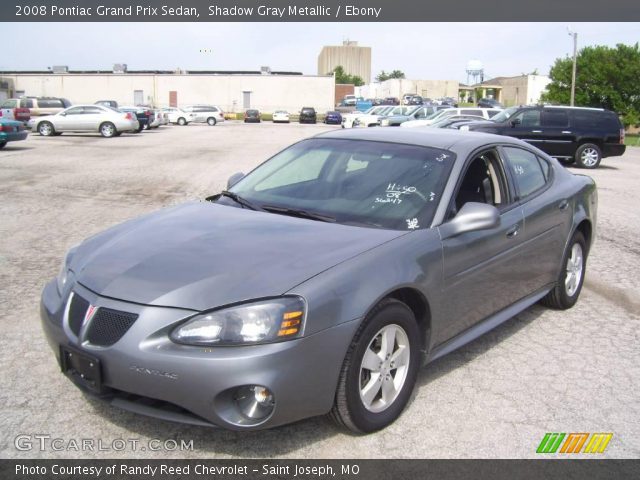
{"x": 202, "y": 255}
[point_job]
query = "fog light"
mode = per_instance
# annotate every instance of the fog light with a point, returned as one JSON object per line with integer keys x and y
{"x": 254, "y": 401}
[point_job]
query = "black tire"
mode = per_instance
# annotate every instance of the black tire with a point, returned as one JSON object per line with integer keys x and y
{"x": 211, "y": 122}
{"x": 182, "y": 121}
{"x": 117, "y": 134}
{"x": 57, "y": 134}
{"x": 3, "y": 144}
{"x": 349, "y": 409}
{"x": 559, "y": 297}
{"x": 107, "y": 129}
{"x": 46, "y": 129}
{"x": 588, "y": 155}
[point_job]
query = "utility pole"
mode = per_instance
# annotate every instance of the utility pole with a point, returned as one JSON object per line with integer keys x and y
{"x": 575, "y": 57}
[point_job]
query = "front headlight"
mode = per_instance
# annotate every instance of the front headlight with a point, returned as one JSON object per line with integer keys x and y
{"x": 259, "y": 322}
{"x": 63, "y": 274}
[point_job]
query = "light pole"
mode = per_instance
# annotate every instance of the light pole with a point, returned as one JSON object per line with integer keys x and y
{"x": 575, "y": 56}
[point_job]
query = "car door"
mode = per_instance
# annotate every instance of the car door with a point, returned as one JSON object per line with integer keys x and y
{"x": 69, "y": 120}
{"x": 91, "y": 118}
{"x": 559, "y": 140}
{"x": 482, "y": 270}
{"x": 547, "y": 215}
{"x": 525, "y": 125}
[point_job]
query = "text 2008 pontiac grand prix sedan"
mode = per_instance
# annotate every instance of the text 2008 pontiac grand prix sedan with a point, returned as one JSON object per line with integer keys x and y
{"x": 319, "y": 282}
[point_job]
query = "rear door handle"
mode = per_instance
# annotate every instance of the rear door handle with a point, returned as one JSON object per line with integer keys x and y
{"x": 513, "y": 231}
{"x": 563, "y": 205}
{"x": 536, "y": 131}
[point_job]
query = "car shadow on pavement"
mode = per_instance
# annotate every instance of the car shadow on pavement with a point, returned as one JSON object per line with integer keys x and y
{"x": 16, "y": 148}
{"x": 281, "y": 441}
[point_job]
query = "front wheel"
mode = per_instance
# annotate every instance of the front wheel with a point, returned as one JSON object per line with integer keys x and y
{"x": 108, "y": 130}
{"x": 569, "y": 284}
{"x": 46, "y": 129}
{"x": 379, "y": 370}
{"x": 2, "y": 144}
{"x": 182, "y": 122}
{"x": 211, "y": 121}
{"x": 588, "y": 155}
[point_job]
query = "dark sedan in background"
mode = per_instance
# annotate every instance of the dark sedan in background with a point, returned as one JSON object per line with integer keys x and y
{"x": 308, "y": 115}
{"x": 333, "y": 118}
{"x": 252, "y": 116}
{"x": 322, "y": 280}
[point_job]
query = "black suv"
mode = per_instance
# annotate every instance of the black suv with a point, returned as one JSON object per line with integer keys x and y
{"x": 583, "y": 135}
{"x": 308, "y": 115}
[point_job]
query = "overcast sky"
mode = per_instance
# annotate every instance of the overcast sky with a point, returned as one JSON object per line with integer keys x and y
{"x": 421, "y": 50}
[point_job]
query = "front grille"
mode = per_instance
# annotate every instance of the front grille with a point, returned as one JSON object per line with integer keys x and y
{"x": 108, "y": 326}
{"x": 77, "y": 311}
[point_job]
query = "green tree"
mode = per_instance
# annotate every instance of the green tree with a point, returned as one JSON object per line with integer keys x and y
{"x": 343, "y": 77}
{"x": 382, "y": 76}
{"x": 605, "y": 77}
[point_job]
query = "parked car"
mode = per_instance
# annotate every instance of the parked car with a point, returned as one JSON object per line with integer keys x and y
{"x": 209, "y": 114}
{"x": 349, "y": 101}
{"x": 263, "y": 305}
{"x": 416, "y": 113}
{"x": 489, "y": 103}
{"x": 349, "y": 118}
{"x": 333, "y": 118}
{"x": 11, "y": 131}
{"x": 178, "y": 116}
{"x": 308, "y": 115}
{"x": 406, "y": 98}
{"x": 44, "y": 105}
{"x": 86, "y": 118}
{"x": 252, "y": 116}
{"x": 108, "y": 103}
{"x": 160, "y": 118}
{"x": 575, "y": 134}
{"x": 372, "y": 119}
{"x": 480, "y": 113}
{"x": 11, "y": 110}
{"x": 416, "y": 100}
{"x": 451, "y": 121}
{"x": 143, "y": 114}
{"x": 280, "y": 116}
{"x": 390, "y": 101}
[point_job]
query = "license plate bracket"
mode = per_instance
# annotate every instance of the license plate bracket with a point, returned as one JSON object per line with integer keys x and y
{"x": 83, "y": 369}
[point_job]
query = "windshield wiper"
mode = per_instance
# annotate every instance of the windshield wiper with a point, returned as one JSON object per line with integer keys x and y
{"x": 293, "y": 212}
{"x": 239, "y": 200}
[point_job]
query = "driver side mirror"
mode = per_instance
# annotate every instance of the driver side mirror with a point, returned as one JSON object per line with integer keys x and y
{"x": 472, "y": 217}
{"x": 233, "y": 179}
{"x": 515, "y": 121}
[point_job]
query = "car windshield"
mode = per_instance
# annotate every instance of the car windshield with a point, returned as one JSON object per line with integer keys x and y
{"x": 504, "y": 115}
{"x": 376, "y": 184}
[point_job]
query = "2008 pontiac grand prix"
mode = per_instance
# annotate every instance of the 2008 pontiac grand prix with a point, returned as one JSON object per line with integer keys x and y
{"x": 322, "y": 280}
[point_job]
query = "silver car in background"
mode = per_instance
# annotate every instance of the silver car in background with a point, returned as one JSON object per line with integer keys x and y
{"x": 108, "y": 121}
{"x": 209, "y": 114}
{"x": 178, "y": 115}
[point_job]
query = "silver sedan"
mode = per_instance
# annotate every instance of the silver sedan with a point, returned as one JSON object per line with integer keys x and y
{"x": 108, "y": 121}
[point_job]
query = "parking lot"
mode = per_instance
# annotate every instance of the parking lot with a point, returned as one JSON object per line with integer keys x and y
{"x": 542, "y": 371}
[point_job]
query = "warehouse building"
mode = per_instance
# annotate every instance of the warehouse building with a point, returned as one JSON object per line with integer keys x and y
{"x": 232, "y": 91}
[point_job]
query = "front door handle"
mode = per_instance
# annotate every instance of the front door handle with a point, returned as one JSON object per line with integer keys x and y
{"x": 563, "y": 205}
{"x": 513, "y": 231}
{"x": 536, "y": 131}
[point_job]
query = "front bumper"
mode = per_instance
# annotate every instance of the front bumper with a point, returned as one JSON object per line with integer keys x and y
{"x": 145, "y": 365}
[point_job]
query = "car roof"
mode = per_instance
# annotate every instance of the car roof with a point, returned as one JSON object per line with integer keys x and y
{"x": 455, "y": 140}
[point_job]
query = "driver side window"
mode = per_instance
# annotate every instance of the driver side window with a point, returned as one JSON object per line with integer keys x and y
{"x": 483, "y": 182}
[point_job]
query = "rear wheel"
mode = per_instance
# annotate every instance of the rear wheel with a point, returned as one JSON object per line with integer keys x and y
{"x": 46, "y": 129}
{"x": 569, "y": 284}
{"x": 108, "y": 129}
{"x": 379, "y": 370}
{"x": 182, "y": 121}
{"x": 588, "y": 155}
{"x": 211, "y": 121}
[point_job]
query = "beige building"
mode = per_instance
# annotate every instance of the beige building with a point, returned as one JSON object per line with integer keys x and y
{"x": 231, "y": 92}
{"x": 354, "y": 59}
{"x": 510, "y": 91}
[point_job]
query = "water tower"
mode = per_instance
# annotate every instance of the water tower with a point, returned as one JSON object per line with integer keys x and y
{"x": 475, "y": 70}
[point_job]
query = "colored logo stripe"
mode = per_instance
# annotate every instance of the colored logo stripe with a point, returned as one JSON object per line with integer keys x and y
{"x": 574, "y": 443}
{"x": 598, "y": 442}
{"x": 550, "y": 443}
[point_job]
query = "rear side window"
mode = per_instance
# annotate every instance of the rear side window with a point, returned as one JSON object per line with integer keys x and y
{"x": 527, "y": 170}
{"x": 596, "y": 120}
{"x": 50, "y": 103}
{"x": 26, "y": 103}
{"x": 555, "y": 118}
